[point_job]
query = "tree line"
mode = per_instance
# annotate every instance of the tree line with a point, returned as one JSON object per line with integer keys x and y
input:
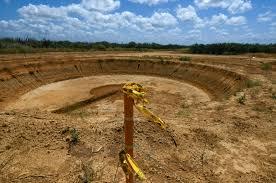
{"x": 29, "y": 45}
{"x": 232, "y": 48}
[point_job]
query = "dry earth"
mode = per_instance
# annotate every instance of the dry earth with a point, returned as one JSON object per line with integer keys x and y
{"x": 44, "y": 97}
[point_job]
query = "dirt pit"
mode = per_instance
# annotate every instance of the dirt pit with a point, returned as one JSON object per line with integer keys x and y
{"x": 66, "y": 93}
{"x": 217, "y": 141}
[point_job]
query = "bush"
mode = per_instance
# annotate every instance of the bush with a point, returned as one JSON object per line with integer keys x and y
{"x": 74, "y": 136}
{"x": 252, "y": 83}
{"x": 100, "y": 47}
{"x": 241, "y": 99}
{"x": 185, "y": 59}
{"x": 273, "y": 95}
{"x": 266, "y": 66}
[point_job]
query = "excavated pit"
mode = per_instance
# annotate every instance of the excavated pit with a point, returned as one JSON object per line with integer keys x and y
{"x": 69, "y": 95}
{"x": 22, "y": 78}
{"x": 45, "y": 96}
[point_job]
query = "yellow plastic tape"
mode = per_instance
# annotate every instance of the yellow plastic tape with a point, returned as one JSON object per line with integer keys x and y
{"x": 152, "y": 117}
{"x": 135, "y": 168}
{"x": 135, "y": 91}
{"x": 129, "y": 165}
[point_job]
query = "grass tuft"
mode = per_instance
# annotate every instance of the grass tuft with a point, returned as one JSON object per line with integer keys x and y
{"x": 74, "y": 136}
{"x": 241, "y": 99}
{"x": 252, "y": 83}
{"x": 266, "y": 66}
{"x": 273, "y": 96}
{"x": 185, "y": 59}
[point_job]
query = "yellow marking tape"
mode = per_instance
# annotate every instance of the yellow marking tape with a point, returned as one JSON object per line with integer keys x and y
{"x": 128, "y": 164}
{"x": 152, "y": 117}
{"x": 135, "y": 167}
{"x": 137, "y": 92}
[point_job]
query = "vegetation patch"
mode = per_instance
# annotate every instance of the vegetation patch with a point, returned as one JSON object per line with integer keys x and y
{"x": 252, "y": 83}
{"x": 185, "y": 59}
{"x": 184, "y": 111}
{"x": 241, "y": 99}
{"x": 273, "y": 96}
{"x": 266, "y": 66}
{"x": 90, "y": 174}
{"x": 30, "y": 45}
{"x": 73, "y": 135}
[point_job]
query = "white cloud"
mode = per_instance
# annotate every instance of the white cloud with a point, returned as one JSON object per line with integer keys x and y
{"x": 149, "y": 2}
{"x": 76, "y": 22}
{"x": 222, "y": 19}
{"x": 163, "y": 19}
{"x": 273, "y": 24}
{"x": 41, "y": 11}
{"x": 101, "y": 5}
{"x": 189, "y": 14}
{"x": 194, "y": 31}
{"x": 98, "y": 19}
{"x": 218, "y": 19}
{"x": 239, "y": 20}
{"x": 233, "y": 6}
{"x": 266, "y": 17}
{"x": 222, "y": 32}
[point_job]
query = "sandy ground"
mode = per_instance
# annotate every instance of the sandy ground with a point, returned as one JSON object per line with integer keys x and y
{"x": 217, "y": 141}
{"x": 56, "y": 95}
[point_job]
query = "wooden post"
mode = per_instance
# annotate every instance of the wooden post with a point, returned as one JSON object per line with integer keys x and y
{"x": 128, "y": 122}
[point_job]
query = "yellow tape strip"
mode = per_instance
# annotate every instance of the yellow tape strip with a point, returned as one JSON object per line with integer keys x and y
{"x": 129, "y": 165}
{"x": 137, "y": 92}
{"x": 135, "y": 167}
{"x": 152, "y": 117}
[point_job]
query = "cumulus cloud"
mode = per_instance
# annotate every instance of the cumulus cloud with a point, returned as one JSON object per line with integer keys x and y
{"x": 239, "y": 20}
{"x": 221, "y": 19}
{"x": 189, "y": 14}
{"x": 233, "y": 6}
{"x": 218, "y": 19}
{"x": 41, "y": 11}
{"x": 149, "y": 2}
{"x": 101, "y": 5}
{"x": 266, "y": 17}
{"x": 77, "y": 22}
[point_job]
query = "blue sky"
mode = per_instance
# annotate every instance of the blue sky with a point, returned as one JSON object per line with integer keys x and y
{"x": 161, "y": 21}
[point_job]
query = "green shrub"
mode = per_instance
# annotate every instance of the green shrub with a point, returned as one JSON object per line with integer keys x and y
{"x": 241, "y": 99}
{"x": 266, "y": 66}
{"x": 273, "y": 95}
{"x": 74, "y": 136}
{"x": 252, "y": 83}
{"x": 99, "y": 47}
{"x": 185, "y": 59}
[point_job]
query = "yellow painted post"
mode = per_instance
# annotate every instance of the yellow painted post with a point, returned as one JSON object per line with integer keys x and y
{"x": 128, "y": 123}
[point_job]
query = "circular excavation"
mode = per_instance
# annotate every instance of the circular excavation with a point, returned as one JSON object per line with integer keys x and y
{"x": 62, "y": 118}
